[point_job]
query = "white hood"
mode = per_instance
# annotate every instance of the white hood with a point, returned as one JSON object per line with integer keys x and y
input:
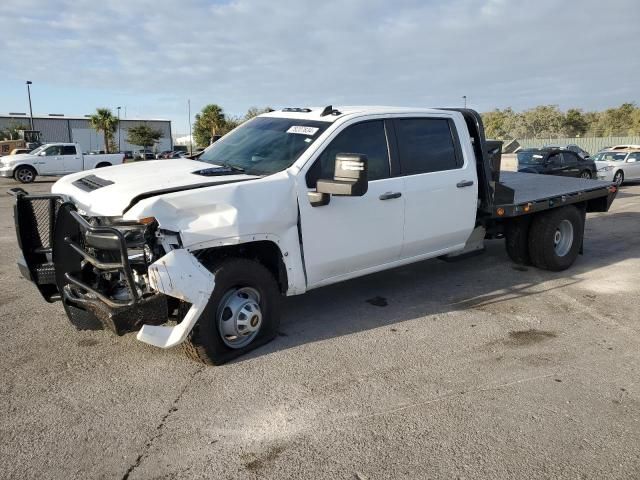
{"x": 123, "y": 183}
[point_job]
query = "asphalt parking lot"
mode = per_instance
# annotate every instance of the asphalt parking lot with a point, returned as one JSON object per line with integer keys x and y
{"x": 472, "y": 369}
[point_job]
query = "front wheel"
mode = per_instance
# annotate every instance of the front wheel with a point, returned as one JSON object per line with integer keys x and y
{"x": 618, "y": 178}
{"x": 25, "y": 174}
{"x": 555, "y": 238}
{"x": 586, "y": 175}
{"x": 243, "y": 313}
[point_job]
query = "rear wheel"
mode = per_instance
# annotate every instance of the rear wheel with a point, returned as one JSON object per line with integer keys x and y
{"x": 25, "y": 174}
{"x": 103, "y": 164}
{"x": 243, "y": 313}
{"x": 618, "y": 178}
{"x": 555, "y": 238}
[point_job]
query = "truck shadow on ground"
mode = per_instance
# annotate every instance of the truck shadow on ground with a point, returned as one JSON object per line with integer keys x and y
{"x": 436, "y": 287}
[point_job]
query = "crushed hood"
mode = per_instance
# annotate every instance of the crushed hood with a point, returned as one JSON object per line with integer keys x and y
{"x": 110, "y": 191}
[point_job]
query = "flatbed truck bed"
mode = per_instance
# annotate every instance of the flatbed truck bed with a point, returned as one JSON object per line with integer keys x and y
{"x": 534, "y": 193}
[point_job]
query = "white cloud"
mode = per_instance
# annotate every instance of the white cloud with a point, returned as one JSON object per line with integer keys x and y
{"x": 406, "y": 52}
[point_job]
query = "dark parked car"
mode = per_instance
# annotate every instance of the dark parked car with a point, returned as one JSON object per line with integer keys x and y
{"x": 573, "y": 147}
{"x": 555, "y": 161}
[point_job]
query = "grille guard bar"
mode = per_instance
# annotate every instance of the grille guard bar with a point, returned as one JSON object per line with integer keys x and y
{"x": 123, "y": 265}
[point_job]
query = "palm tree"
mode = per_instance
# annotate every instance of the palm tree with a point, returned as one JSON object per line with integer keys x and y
{"x": 104, "y": 121}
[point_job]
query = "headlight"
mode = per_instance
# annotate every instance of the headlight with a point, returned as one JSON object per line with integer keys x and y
{"x": 608, "y": 168}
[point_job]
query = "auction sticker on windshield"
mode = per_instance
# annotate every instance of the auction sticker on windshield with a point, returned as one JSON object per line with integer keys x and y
{"x": 303, "y": 130}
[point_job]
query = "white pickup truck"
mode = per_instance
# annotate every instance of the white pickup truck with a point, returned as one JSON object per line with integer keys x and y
{"x": 200, "y": 252}
{"x": 53, "y": 159}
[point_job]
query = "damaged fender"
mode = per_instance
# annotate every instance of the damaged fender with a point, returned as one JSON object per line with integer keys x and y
{"x": 178, "y": 274}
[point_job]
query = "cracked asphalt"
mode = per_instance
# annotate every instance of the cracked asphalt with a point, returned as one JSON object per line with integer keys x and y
{"x": 472, "y": 369}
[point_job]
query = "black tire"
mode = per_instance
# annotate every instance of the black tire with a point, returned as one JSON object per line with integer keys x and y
{"x": 25, "y": 174}
{"x": 618, "y": 177}
{"x": 205, "y": 343}
{"x": 586, "y": 174}
{"x": 103, "y": 164}
{"x": 517, "y": 240}
{"x": 543, "y": 237}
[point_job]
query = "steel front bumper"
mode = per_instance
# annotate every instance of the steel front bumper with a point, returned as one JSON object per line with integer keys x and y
{"x": 53, "y": 238}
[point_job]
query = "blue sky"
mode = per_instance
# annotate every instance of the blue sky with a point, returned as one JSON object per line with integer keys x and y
{"x": 150, "y": 56}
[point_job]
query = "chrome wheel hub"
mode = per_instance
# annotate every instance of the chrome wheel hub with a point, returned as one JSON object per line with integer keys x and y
{"x": 25, "y": 175}
{"x": 618, "y": 178}
{"x": 563, "y": 238}
{"x": 239, "y": 316}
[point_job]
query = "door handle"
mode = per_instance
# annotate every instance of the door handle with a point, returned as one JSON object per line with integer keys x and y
{"x": 464, "y": 183}
{"x": 390, "y": 195}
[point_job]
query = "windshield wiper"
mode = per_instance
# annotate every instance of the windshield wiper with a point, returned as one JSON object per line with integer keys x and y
{"x": 233, "y": 168}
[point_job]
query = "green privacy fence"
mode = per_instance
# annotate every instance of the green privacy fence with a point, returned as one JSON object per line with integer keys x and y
{"x": 590, "y": 144}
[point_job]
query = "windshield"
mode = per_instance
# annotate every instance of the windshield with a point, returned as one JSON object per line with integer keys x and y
{"x": 264, "y": 145}
{"x": 37, "y": 150}
{"x": 530, "y": 158}
{"x": 609, "y": 157}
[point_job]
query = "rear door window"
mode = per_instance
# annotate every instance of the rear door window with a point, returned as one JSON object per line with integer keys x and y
{"x": 570, "y": 159}
{"x": 68, "y": 150}
{"x": 427, "y": 145}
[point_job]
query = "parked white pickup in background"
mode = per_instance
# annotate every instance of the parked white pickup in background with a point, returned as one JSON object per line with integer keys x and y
{"x": 54, "y": 159}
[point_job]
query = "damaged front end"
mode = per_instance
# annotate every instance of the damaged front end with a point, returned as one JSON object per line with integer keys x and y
{"x": 104, "y": 270}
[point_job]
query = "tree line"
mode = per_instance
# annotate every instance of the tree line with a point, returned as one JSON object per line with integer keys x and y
{"x": 106, "y": 122}
{"x": 212, "y": 122}
{"x": 548, "y": 121}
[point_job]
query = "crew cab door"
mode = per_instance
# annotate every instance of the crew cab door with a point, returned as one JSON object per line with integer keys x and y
{"x": 352, "y": 234}
{"x": 570, "y": 164}
{"x": 440, "y": 185}
{"x": 72, "y": 159}
{"x": 554, "y": 164}
{"x": 50, "y": 161}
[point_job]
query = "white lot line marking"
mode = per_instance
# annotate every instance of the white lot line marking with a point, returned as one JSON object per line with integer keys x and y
{"x": 454, "y": 394}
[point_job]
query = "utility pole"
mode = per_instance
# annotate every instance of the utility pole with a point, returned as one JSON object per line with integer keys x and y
{"x": 464, "y": 97}
{"x": 119, "y": 149}
{"x": 29, "y": 82}
{"x": 190, "y": 139}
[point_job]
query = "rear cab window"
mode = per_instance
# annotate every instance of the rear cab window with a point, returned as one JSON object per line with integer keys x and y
{"x": 427, "y": 145}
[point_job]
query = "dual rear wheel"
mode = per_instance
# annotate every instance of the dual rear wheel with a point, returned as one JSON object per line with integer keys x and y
{"x": 550, "y": 240}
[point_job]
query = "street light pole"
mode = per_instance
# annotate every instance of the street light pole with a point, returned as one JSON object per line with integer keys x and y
{"x": 190, "y": 139}
{"x": 119, "y": 149}
{"x": 29, "y": 82}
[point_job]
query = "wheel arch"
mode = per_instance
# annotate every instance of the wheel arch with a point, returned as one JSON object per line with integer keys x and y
{"x": 266, "y": 252}
{"x": 103, "y": 164}
{"x": 32, "y": 167}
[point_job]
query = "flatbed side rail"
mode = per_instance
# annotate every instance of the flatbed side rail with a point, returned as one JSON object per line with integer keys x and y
{"x": 597, "y": 200}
